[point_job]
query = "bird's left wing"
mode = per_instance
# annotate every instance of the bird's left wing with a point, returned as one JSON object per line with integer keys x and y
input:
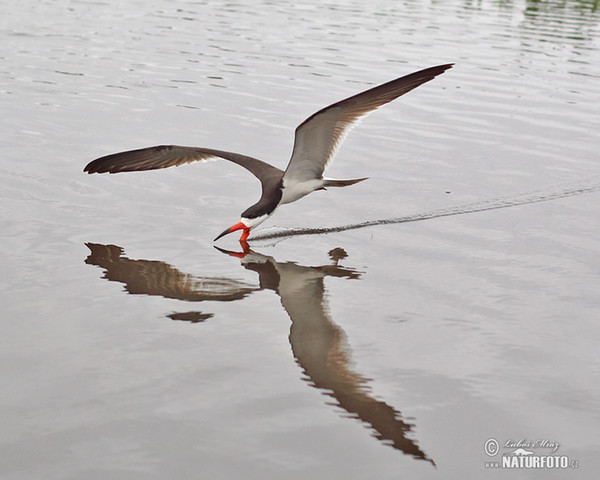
{"x": 319, "y": 137}
{"x": 164, "y": 156}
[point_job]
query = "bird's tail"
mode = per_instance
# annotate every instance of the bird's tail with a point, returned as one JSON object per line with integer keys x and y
{"x": 330, "y": 182}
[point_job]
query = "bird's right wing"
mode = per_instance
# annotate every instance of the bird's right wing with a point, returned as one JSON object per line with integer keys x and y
{"x": 319, "y": 137}
{"x": 164, "y": 156}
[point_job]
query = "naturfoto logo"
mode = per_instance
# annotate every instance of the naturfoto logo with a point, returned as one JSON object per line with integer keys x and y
{"x": 527, "y": 454}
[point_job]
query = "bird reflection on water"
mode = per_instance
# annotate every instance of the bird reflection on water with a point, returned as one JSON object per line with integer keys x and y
{"x": 318, "y": 344}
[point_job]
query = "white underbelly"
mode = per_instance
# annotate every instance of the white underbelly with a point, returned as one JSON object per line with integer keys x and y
{"x": 292, "y": 191}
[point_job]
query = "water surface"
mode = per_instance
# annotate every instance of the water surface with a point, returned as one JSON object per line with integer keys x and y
{"x": 134, "y": 349}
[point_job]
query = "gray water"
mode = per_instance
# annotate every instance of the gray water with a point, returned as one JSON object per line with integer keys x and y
{"x": 352, "y": 341}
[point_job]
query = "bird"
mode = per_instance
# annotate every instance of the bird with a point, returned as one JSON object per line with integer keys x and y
{"x": 316, "y": 142}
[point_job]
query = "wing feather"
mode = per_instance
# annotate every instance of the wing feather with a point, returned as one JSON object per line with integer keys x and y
{"x": 319, "y": 137}
{"x": 164, "y": 156}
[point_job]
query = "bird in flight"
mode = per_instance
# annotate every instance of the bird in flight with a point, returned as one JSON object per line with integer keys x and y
{"x": 316, "y": 143}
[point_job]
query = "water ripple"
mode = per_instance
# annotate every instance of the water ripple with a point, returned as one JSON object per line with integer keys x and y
{"x": 534, "y": 196}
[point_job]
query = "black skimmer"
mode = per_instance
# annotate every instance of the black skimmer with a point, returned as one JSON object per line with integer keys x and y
{"x": 317, "y": 140}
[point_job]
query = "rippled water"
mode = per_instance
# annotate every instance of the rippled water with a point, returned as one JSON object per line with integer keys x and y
{"x": 381, "y": 348}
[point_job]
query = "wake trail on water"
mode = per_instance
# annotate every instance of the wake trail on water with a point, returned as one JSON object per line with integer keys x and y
{"x": 534, "y": 196}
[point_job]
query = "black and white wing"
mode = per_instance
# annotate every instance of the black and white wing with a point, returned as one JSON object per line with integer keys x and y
{"x": 319, "y": 137}
{"x": 164, "y": 156}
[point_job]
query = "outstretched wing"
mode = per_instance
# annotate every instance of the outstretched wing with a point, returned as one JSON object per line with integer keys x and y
{"x": 164, "y": 156}
{"x": 319, "y": 137}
